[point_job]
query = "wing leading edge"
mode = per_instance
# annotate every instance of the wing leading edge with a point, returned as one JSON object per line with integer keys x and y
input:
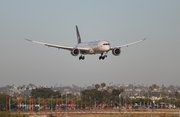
{"x": 127, "y": 45}
{"x": 58, "y": 46}
{"x": 51, "y": 45}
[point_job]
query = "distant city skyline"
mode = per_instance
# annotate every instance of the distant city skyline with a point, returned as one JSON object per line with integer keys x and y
{"x": 86, "y": 85}
{"x": 155, "y": 61}
{"x": 129, "y": 90}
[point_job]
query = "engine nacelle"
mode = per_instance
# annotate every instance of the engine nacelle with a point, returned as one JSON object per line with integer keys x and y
{"x": 75, "y": 52}
{"x": 116, "y": 51}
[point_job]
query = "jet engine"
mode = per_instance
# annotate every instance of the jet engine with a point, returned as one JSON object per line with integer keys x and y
{"x": 75, "y": 52}
{"x": 116, "y": 51}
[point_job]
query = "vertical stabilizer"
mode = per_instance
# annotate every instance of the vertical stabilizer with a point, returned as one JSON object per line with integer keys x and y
{"x": 78, "y": 35}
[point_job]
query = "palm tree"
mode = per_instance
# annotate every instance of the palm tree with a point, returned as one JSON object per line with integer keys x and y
{"x": 103, "y": 85}
{"x": 121, "y": 90}
{"x": 21, "y": 88}
{"x": 152, "y": 88}
{"x": 154, "y": 85}
{"x": 27, "y": 88}
{"x": 97, "y": 86}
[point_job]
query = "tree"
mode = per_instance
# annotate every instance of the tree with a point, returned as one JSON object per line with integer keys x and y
{"x": 27, "y": 88}
{"x": 103, "y": 85}
{"x": 97, "y": 86}
{"x": 115, "y": 96}
{"x": 2, "y": 102}
{"x": 44, "y": 93}
{"x": 154, "y": 86}
{"x": 151, "y": 88}
{"x": 121, "y": 90}
{"x": 109, "y": 89}
{"x": 176, "y": 94}
{"x": 93, "y": 96}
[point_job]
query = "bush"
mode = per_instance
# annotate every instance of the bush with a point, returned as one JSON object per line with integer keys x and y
{"x": 5, "y": 114}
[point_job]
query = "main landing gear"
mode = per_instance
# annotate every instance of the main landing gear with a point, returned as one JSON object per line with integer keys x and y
{"x": 102, "y": 57}
{"x": 81, "y": 57}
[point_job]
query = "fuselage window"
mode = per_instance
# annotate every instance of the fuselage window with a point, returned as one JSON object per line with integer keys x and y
{"x": 106, "y": 44}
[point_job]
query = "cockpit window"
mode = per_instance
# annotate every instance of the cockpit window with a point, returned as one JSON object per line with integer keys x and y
{"x": 106, "y": 44}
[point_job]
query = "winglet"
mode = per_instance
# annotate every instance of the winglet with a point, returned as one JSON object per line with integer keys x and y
{"x": 127, "y": 45}
{"x": 28, "y": 39}
{"x": 78, "y": 35}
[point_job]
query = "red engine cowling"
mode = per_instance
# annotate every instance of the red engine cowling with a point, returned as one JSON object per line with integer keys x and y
{"x": 75, "y": 52}
{"x": 116, "y": 51}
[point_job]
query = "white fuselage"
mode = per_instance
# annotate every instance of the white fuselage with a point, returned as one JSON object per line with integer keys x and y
{"x": 95, "y": 47}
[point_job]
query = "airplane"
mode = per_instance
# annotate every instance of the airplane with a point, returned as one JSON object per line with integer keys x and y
{"x": 101, "y": 47}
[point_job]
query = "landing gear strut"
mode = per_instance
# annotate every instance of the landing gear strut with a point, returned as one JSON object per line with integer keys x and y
{"x": 102, "y": 57}
{"x": 81, "y": 57}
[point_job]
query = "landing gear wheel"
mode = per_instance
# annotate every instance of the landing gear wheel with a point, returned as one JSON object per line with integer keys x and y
{"x": 102, "y": 57}
{"x": 81, "y": 57}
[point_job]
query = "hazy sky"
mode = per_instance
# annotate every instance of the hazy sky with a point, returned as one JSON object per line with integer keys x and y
{"x": 156, "y": 60}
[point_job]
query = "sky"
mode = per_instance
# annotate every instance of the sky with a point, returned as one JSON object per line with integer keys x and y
{"x": 154, "y": 61}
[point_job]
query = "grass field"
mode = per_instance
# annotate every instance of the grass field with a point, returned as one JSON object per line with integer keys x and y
{"x": 135, "y": 113}
{"x": 95, "y": 115}
{"x": 110, "y": 115}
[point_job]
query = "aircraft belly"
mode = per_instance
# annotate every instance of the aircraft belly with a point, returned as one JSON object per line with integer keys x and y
{"x": 91, "y": 51}
{"x": 97, "y": 51}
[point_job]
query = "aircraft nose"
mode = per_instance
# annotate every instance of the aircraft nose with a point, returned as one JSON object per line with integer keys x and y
{"x": 106, "y": 48}
{"x": 109, "y": 47}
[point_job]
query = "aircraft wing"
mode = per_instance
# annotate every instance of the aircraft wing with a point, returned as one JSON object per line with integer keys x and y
{"x": 58, "y": 46}
{"x": 52, "y": 45}
{"x": 127, "y": 45}
{"x": 83, "y": 48}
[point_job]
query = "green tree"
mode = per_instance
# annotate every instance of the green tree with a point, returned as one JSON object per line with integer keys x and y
{"x": 14, "y": 102}
{"x": 97, "y": 86}
{"x": 44, "y": 93}
{"x": 92, "y": 96}
{"x": 27, "y": 88}
{"x": 103, "y": 85}
{"x": 121, "y": 90}
{"x": 176, "y": 94}
{"x": 3, "y": 102}
{"x": 151, "y": 88}
{"x": 115, "y": 95}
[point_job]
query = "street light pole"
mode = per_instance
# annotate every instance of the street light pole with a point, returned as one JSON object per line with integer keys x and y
{"x": 66, "y": 100}
{"x": 51, "y": 103}
{"x": 77, "y": 102}
{"x": 9, "y": 103}
{"x": 119, "y": 101}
